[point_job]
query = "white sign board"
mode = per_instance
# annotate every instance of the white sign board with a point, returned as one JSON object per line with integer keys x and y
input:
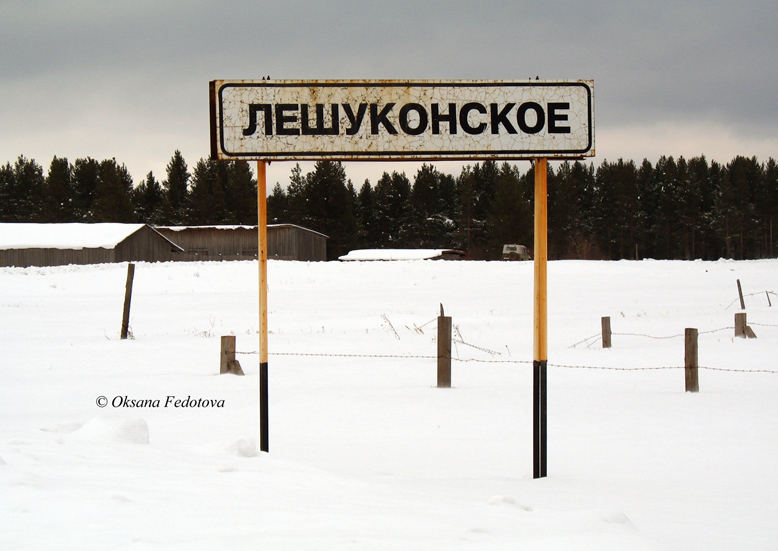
{"x": 413, "y": 120}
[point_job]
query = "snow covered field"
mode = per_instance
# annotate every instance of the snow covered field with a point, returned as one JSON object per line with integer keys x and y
{"x": 365, "y": 452}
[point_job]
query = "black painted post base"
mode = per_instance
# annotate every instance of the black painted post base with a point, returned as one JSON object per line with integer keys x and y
{"x": 539, "y": 436}
{"x": 263, "y": 409}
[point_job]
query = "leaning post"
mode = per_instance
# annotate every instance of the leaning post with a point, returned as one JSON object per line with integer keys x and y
{"x": 127, "y": 300}
{"x": 740, "y": 295}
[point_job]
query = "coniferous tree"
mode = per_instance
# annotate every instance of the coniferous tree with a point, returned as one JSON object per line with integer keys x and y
{"x": 176, "y": 187}
{"x": 466, "y": 193}
{"x": 85, "y": 180}
{"x": 696, "y": 202}
{"x": 240, "y": 190}
{"x": 617, "y": 208}
{"x": 23, "y": 191}
{"x": 476, "y": 187}
{"x": 420, "y": 229}
{"x": 428, "y": 226}
{"x": 666, "y": 222}
{"x": 7, "y": 184}
{"x": 330, "y": 208}
{"x": 604, "y": 207}
{"x": 148, "y": 200}
{"x": 206, "y": 202}
{"x": 563, "y": 214}
{"x": 450, "y": 210}
{"x": 112, "y": 197}
{"x": 511, "y": 217}
{"x": 296, "y": 197}
{"x": 716, "y": 175}
{"x": 391, "y": 200}
{"x": 767, "y": 207}
{"x": 735, "y": 208}
{"x": 349, "y": 221}
{"x": 60, "y": 201}
{"x": 277, "y": 209}
{"x": 648, "y": 206}
{"x": 369, "y": 228}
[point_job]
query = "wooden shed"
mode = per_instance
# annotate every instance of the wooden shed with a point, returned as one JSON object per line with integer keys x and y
{"x": 284, "y": 242}
{"x": 403, "y": 254}
{"x": 25, "y": 245}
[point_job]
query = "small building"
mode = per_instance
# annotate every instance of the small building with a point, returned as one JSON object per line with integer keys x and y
{"x": 23, "y": 244}
{"x": 403, "y": 254}
{"x": 225, "y": 242}
{"x": 291, "y": 242}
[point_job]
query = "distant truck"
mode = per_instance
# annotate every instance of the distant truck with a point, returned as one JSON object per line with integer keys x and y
{"x": 515, "y": 252}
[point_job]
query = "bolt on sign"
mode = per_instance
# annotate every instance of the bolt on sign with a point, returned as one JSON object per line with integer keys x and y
{"x": 396, "y": 120}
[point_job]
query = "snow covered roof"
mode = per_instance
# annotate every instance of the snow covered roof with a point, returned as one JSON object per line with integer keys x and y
{"x": 207, "y": 227}
{"x": 235, "y": 227}
{"x": 400, "y": 254}
{"x": 64, "y": 236}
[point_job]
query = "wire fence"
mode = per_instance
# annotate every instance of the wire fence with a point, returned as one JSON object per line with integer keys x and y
{"x": 460, "y": 341}
{"x": 509, "y": 361}
{"x": 676, "y": 336}
{"x": 759, "y": 293}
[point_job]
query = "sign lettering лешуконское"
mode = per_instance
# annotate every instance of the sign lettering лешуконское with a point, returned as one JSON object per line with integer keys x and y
{"x": 383, "y": 120}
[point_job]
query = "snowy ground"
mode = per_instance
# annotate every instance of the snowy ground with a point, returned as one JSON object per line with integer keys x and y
{"x": 365, "y": 452}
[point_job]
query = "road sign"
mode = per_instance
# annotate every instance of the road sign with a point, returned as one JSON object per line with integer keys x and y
{"x": 401, "y": 120}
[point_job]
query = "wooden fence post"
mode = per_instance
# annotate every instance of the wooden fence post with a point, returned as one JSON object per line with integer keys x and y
{"x": 127, "y": 300}
{"x": 740, "y": 325}
{"x": 606, "y": 332}
{"x": 692, "y": 380}
{"x": 740, "y": 294}
{"x": 228, "y": 363}
{"x": 444, "y": 350}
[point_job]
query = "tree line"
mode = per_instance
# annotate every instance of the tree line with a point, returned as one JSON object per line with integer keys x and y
{"x": 103, "y": 191}
{"x": 671, "y": 209}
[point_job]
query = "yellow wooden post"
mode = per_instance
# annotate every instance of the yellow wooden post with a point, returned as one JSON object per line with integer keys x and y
{"x": 262, "y": 253}
{"x": 541, "y": 321}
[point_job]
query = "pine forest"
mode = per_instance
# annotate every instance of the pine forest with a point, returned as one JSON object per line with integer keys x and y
{"x": 671, "y": 209}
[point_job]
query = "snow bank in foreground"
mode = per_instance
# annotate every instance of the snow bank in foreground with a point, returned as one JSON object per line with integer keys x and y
{"x": 365, "y": 451}
{"x": 114, "y": 428}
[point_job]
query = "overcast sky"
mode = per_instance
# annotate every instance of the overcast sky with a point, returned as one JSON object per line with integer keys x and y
{"x": 129, "y": 79}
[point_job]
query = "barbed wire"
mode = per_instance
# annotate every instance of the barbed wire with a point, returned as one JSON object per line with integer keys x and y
{"x": 679, "y": 335}
{"x": 460, "y": 340}
{"x": 651, "y": 368}
{"x": 730, "y": 328}
{"x": 646, "y": 336}
{"x": 335, "y": 355}
{"x": 750, "y": 295}
{"x": 586, "y": 340}
{"x": 486, "y": 361}
{"x": 422, "y": 326}
{"x": 482, "y": 349}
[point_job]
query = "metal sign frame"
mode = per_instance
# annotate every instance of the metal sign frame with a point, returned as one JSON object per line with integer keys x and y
{"x": 380, "y": 120}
